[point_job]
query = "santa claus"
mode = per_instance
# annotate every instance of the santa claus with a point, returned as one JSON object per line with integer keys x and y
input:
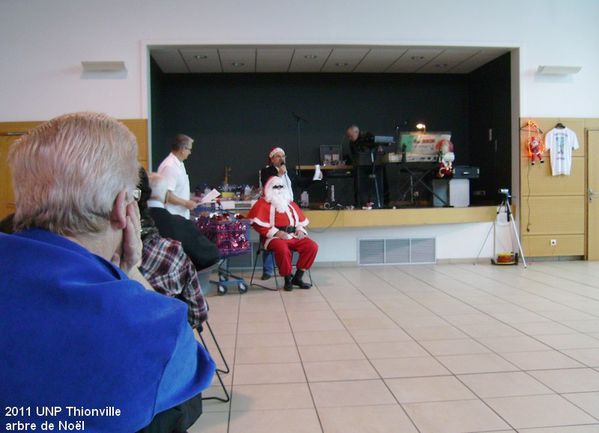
{"x": 282, "y": 227}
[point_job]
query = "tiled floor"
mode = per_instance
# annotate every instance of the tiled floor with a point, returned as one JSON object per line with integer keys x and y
{"x": 444, "y": 348}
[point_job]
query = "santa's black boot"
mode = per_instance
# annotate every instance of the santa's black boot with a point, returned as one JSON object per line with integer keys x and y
{"x": 288, "y": 284}
{"x": 297, "y": 280}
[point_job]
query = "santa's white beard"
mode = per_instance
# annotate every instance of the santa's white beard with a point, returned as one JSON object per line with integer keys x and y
{"x": 279, "y": 199}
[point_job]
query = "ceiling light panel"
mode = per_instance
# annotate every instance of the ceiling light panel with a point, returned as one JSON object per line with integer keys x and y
{"x": 202, "y": 61}
{"x": 169, "y": 61}
{"x": 344, "y": 59}
{"x": 273, "y": 59}
{"x": 379, "y": 59}
{"x": 309, "y": 59}
{"x": 414, "y": 59}
{"x": 238, "y": 59}
{"x": 447, "y": 60}
{"x": 482, "y": 56}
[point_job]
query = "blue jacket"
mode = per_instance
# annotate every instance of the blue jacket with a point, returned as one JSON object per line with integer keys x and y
{"x": 75, "y": 331}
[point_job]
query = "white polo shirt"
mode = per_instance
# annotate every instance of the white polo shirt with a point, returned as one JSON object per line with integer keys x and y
{"x": 175, "y": 174}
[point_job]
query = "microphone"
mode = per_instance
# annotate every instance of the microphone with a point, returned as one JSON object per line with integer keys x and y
{"x": 298, "y": 117}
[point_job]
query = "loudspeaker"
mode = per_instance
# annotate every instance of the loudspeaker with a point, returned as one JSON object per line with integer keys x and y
{"x": 317, "y": 192}
{"x": 343, "y": 187}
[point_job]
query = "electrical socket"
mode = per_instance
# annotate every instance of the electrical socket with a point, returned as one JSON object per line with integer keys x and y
{"x": 553, "y": 242}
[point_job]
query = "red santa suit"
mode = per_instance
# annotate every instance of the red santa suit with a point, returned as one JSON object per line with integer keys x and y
{"x": 267, "y": 221}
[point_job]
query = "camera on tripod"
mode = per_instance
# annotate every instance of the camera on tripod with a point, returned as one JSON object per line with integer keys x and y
{"x": 506, "y": 257}
{"x": 504, "y": 191}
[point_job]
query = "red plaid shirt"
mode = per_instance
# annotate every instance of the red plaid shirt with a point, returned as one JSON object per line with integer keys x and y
{"x": 170, "y": 272}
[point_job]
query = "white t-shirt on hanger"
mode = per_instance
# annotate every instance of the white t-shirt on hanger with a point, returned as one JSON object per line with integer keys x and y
{"x": 560, "y": 142}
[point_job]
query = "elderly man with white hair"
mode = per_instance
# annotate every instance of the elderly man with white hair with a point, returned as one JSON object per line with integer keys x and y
{"x": 77, "y": 331}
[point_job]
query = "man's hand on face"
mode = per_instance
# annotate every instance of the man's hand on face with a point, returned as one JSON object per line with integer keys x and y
{"x": 130, "y": 254}
{"x": 282, "y": 169}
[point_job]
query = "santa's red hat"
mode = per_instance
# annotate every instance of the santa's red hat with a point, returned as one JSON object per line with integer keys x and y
{"x": 275, "y": 150}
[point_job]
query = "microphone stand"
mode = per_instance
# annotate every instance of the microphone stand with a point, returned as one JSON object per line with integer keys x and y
{"x": 298, "y": 120}
{"x": 374, "y": 179}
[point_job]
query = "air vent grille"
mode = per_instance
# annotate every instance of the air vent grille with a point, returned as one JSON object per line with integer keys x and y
{"x": 396, "y": 251}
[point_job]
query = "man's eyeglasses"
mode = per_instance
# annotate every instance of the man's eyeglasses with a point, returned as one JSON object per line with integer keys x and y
{"x": 278, "y": 186}
{"x": 136, "y": 194}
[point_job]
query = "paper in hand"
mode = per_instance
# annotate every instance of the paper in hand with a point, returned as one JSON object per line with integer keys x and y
{"x": 211, "y": 196}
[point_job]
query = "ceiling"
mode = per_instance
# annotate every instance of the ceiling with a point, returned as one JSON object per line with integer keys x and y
{"x": 328, "y": 59}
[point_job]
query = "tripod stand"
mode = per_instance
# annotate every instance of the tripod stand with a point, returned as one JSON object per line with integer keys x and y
{"x": 505, "y": 204}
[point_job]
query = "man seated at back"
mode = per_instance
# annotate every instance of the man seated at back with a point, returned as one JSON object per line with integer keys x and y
{"x": 165, "y": 265}
{"x": 282, "y": 227}
{"x": 198, "y": 247}
{"x": 78, "y": 332}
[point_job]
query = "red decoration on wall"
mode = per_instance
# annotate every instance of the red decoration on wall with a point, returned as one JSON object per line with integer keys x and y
{"x": 535, "y": 146}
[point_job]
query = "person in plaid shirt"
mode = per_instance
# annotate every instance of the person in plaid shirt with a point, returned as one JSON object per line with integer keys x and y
{"x": 166, "y": 266}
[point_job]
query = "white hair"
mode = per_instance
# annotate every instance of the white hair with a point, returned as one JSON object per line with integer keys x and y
{"x": 68, "y": 171}
{"x": 159, "y": 186}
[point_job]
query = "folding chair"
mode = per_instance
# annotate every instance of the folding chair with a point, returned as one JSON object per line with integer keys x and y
{"x": 218, "y": 371}
{"x": 204, "y": 278}
{"x": 259, "y": 251}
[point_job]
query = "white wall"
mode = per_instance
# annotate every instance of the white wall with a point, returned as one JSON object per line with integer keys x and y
{"x": 453, "y": 241}
{"x": 43, "y": 42}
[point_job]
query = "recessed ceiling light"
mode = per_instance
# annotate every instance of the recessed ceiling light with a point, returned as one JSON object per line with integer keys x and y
{"x": 417, "y": 57}
{"x": 310, "y": 56}
{"x": 441, "y": 65}
{"x": 237, "y": 64}
{"x": 341, "y": 65}
{"x": 200, "y": 57}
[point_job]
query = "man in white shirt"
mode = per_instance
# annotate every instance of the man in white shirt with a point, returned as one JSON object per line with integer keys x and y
{"x": 179, "y": 200}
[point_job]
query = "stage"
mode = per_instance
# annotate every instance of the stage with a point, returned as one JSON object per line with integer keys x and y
{"x": 320, "y": 219}
{"x": 452, "y": 234}
{"x": 398, "y": 236}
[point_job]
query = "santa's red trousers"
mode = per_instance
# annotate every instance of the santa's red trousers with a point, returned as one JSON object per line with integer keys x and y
{"x": 283, "y": 250}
